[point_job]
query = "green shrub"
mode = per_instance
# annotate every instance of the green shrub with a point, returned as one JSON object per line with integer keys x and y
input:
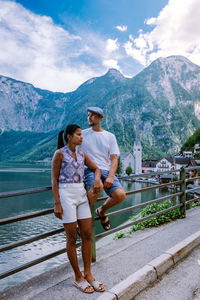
{"x": 158, "y": 220}
{"x": 119, "y": 235}
{"x": 195, "y": 204}
{"x": 154, "y": 221}
{"x": 129, "y": 170}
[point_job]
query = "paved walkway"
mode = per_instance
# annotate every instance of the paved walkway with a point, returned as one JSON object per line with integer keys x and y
{"x": 181, "y": 282}
{"x": 116, "y": 262}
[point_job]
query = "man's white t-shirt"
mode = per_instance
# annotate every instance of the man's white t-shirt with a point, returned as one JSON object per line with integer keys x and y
{"x": 99, "y": 145}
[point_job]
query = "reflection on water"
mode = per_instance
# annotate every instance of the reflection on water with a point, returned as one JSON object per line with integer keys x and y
{"x": 29, "y": 176}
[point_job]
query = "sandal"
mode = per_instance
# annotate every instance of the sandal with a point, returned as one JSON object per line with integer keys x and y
{"x": 82, "y": 286}
{"x": 104, "y": 224}
{"x": 96, "y": 285}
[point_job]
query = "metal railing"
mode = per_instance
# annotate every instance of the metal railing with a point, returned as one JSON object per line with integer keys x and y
{"x": 181, "y": 194}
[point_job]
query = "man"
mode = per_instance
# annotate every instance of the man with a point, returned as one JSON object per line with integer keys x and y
{"x": 101, "y": 147}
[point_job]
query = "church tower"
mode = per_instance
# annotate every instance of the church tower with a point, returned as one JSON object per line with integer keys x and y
{"x": 137, "y": 153}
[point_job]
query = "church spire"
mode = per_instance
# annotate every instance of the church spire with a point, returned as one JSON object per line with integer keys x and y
{"x": 137, "y": 152}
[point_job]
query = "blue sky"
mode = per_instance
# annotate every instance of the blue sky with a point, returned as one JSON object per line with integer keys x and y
{"x": 59, "y": 44}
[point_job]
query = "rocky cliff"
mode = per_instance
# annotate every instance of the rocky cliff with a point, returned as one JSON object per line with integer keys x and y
{"x": 163, "y": 101}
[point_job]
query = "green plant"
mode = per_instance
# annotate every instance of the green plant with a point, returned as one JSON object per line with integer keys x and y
{"x": 119, "y": 166}
{"x": 197, "y": 156}
{"x": 175, "y": 178}
{"x": 154, "y": 221}
{"x": 119, "y": 235}
{"x": 195, "y": 204}
{"x": 158, "y": 220}
{"x": 129, "y": 170}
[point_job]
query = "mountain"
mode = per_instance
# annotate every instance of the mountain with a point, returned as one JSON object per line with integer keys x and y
{"x": 162, "y": 101}
{"x": 191, "y": 141}
{"x": 171, "y": 111}
{"x": 24, "y": 107}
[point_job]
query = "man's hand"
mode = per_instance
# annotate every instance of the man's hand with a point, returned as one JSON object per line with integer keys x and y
{"x": 108, "y": 182}
{"x": 58, "y": 211}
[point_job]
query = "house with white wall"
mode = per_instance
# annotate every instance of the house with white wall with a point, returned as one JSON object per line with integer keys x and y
{"x": 126, "y": 160}
{"x": 165, "y": 164}
{"x": 188, "y": 154}
{"x": 196, "y": 148}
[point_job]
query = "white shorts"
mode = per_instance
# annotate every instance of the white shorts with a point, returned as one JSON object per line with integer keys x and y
{"x": 74, "y": 201}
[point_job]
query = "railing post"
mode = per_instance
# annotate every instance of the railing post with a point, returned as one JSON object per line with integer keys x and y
{"x": 183, "y": 196}
{"x": 93, "y": 236}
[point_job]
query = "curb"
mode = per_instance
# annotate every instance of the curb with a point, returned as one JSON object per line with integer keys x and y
{"x": 141, "y": 279}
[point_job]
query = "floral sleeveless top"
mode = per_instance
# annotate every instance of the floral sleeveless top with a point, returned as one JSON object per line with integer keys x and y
{"x": 72, "y": 171}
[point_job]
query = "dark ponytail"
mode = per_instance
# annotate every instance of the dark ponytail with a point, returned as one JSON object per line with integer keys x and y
{"x": 69, "y": 129}
{"x": 60, "y": 143}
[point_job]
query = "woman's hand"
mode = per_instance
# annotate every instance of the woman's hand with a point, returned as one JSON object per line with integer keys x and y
{"x": 97, "y": 186}
{"x": 58, "y": 211}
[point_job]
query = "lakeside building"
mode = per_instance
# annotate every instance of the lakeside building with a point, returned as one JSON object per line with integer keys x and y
{"x": 149, "y": 165}
{"x": 165, "y": 164}
{"x": 133, "y": 160}
{"x": 180, "y": 162}
{"x": 153, "y": 165}
{"x": 137, "y": 154}
{"x": 196, "y": 148}
{"x": 188, "y": 154}
{"x": 127, "y": 159}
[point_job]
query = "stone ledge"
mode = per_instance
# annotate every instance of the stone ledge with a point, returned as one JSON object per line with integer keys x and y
{"x": 108, "y": 296}
{"x": 183, "y": 248}
{"x": 162, "y": 263}
{"x": 141, "y": 279}
{"x": 135, "y": 283}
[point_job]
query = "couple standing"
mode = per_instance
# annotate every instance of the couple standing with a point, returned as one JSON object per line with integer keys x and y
{"x": 98, "y": 152}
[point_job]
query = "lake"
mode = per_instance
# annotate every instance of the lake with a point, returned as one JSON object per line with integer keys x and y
{"x": 17, "y": 177}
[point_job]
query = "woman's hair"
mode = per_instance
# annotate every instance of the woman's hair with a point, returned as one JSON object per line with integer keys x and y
{"x": 69, "y": 129}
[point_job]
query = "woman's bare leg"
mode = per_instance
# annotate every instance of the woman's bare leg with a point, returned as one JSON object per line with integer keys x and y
{"x": 71, "y": 236}
{"x": 85, "y": 226}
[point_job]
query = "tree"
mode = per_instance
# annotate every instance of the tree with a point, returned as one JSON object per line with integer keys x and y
{"x": 197, "y": 156}
{"x": 129, "y": 170}
{"x": 119, "y": 166}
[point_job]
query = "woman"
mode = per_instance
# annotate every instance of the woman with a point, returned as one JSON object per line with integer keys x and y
{"x": 71, "y": 203}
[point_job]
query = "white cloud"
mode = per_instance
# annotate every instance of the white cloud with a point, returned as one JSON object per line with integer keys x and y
{"x": 112, "y": 45}
{"x": 34, "y": 49}
{"x": 111, "y": 63}
{"x": 175, "y": 32}
{"x": 131, "y": 37}
{"x": 121, "y": 28}
{"x": 135, "y": 53}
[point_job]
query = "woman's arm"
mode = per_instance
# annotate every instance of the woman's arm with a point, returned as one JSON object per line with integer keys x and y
{"x": 55, "y": 172}
{"x": 97, "y": 173}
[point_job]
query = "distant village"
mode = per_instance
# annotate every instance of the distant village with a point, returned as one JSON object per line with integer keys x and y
{"x": 139, "y": 166}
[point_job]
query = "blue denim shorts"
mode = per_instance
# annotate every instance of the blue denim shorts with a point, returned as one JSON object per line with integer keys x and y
{"x": 89, "y": 179}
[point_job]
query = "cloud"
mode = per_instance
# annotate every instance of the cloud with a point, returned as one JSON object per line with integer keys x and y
{"x": 121, "y": 28}
{"x": 175, "y": 31}
{"x": 34, "y": 49}
{"x": 112, "y": 45}
{"x": 111, "y": 63}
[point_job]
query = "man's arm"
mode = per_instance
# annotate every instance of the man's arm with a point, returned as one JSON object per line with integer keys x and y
{"x": 113, "y": 167}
